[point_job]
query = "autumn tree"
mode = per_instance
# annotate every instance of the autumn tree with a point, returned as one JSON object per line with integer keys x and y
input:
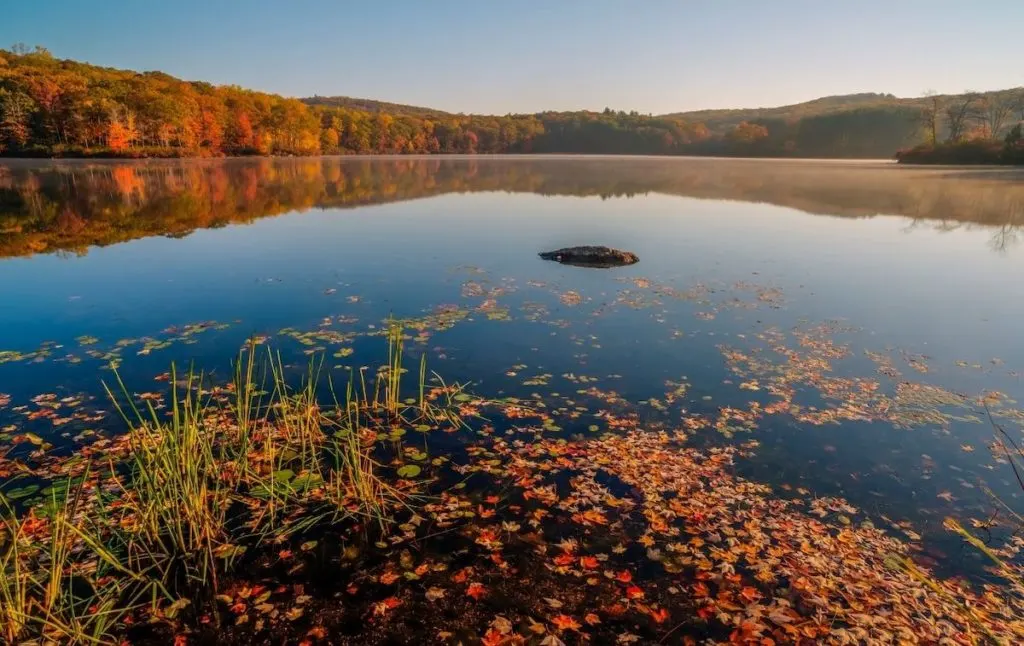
{"x": 119, "y": 135}
{"x": 208, "y": 124}
{"x": 16, "y": 109}
{"x": 960, "y": 111}
{"x": 329, "y": 140}
{"x": 994, "y": 112}
{"x": 930, "y": 115}
{"x": 748, "y": 133}
{"x": 240, "y": 134}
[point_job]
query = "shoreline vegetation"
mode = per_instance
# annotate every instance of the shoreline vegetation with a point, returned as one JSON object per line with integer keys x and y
{"x": 52, "y": 108}
{"x": 980, "y": 151}
{"x": 257, "y": 512}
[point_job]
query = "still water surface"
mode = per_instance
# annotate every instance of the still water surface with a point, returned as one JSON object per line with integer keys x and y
{"x": 846, "y": 316}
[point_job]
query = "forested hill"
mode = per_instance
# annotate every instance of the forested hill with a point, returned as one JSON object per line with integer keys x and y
{"x": 54, "y": 107}
{"x": 720, "y": 119}
{"x": 851, "y": 125}
{"x": 371, "y": 105}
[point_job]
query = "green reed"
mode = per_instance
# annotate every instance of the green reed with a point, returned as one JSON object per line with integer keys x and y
{"x": 190, "y": 489}
{"x": 176, "y": 506}
{"x": 60, "y": 588}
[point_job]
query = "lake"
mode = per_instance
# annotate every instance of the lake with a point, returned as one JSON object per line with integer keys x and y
{"x": 854, "y": 327}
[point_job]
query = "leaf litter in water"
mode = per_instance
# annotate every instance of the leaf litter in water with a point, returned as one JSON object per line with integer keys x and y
{"x": 632, "y": 537}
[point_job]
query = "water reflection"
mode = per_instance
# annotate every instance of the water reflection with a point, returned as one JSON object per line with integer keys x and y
{"x": 69, "y": 206}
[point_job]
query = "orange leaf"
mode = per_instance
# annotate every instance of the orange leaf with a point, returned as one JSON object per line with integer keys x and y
{"x": 317, "y": 632}
{"x": 750, "y": 594}
{"x": 476, "y": 591}
{"x": 565, "y": 622}
{"x": 382, "y": 608}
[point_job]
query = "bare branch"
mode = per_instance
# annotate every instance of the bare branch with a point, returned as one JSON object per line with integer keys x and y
{"x": 929, "y": 115}
{"x": 994, "y": 113}
{"x": 960, "y": 111}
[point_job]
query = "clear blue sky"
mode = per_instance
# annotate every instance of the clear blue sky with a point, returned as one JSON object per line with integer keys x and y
{"x": 524, "y": 56}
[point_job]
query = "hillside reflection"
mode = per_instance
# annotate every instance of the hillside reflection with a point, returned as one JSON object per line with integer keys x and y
{"x": 68, "y": 206}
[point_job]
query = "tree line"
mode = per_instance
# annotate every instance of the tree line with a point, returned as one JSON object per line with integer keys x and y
{"x": 970, "y": 128}
{"x": 51, "y": 107}
{"x": 62, "y": 108}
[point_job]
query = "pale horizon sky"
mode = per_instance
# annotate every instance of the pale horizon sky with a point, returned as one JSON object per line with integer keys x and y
{"x": 653, "y": 56}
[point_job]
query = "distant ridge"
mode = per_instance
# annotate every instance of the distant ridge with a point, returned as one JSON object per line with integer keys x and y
{"x": 371, "y": 105}
{"x": 718, "y": 120}
{"x": 713, "y": 118}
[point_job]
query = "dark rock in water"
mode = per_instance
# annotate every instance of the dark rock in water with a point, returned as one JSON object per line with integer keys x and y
{"x": 588, "y": 256}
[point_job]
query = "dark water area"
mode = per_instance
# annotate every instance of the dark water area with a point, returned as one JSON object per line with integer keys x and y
{"x": 887, "y": 298}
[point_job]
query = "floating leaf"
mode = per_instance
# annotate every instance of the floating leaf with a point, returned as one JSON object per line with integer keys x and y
{"x": 409, "y": 471}
{"x": 307, "y": 481}
{"x": 22, "y": 492}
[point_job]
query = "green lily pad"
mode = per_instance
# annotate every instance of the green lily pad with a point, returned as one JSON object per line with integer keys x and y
{"x": 284, "y": 475}
{"x": 22, "y": 492}
{"x": 307, "y": 480}
{"x": 409, "y": 471}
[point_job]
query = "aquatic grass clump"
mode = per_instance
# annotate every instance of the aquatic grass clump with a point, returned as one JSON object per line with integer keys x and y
{"x": 59, "y": 579}
{"x": 175, "y": 507}
{"x": 224, "y": 468}
{"x": 203, "y": 481}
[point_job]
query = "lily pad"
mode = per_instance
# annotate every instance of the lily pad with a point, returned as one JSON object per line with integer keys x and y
{"x": 409, "y": 471}
{"x": 22, "y": 492}
{"x": 284, "y": 475}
